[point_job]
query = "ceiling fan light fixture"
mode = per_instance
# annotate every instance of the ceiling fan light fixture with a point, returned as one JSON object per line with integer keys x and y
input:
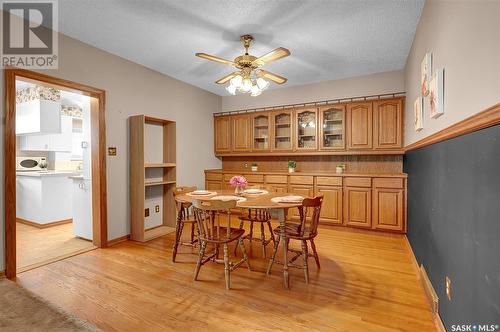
{"x": 231, "y": 89}
{"x": 236, "y": 81}
{"x": 255, "y": 91}
{"x": 262, "y": 83}
{"x": 246, "y": 86}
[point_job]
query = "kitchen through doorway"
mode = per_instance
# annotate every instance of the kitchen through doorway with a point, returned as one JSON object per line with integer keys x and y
{"x": 59, "y": 170}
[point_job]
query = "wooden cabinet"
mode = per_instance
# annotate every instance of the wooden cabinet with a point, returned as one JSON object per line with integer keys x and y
{"x": 332, "y": 127}
{"x": 368, "y": 127}
{"x": 370, "y": 202}
{"x": 359, "y": 126}
{"x": 388, "y": 209}
{"x": 241, "y": 140}
{"x": 302, "y": 190}
{"x": 357, "y": 207}
{"x": 306, "y": 129}
{"x": 387, "y": 124}
{"x": 331, "y": 210}
{"x": 213, "y": 185}
{"x": 222, "y": 134}
{"x": 261, "y": 132}
{"x": 282, "y": 132}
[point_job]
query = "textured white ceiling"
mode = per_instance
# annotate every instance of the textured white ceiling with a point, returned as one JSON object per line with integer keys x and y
{"x": 328, "y": 39}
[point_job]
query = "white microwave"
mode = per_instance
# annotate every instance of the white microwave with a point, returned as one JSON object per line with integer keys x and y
{"x": 31, "y": 163}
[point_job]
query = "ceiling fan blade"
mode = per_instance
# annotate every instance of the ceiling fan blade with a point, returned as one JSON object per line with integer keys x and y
{"x": 273, "y": 77}
{"x": 214, "y": 58}
{"x": 274, "y": 55}
{"x": 227, "y": 78}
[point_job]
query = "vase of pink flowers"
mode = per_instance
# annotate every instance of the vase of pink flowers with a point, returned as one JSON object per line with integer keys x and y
{"x": 239, "y": 183}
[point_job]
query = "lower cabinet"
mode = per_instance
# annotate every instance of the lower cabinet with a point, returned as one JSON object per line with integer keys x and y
{"x": 388, "y": 209}
{"x": 358, "y": 207}
{"x": 213, "y": 185}
{"x": 331, "y": 211}
{"x": 377, "y": 203}
{"x": 303, "y": 190}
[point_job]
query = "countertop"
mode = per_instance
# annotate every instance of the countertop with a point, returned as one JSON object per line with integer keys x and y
{"x": 48, "y": 173}
{"x": 383, "y": 175}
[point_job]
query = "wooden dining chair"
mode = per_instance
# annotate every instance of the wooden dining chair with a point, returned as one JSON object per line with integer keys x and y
{"x": 208, "y": 214}
{"x": 261, "y": 217}
{"x": 184, "y": 216}
{"x": 304, "y": 231}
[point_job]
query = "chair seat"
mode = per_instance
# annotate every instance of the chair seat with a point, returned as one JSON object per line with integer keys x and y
{"x": 292, "y": 231}
{"x": 189, "y": 220}
{"x": 234, "y": 234}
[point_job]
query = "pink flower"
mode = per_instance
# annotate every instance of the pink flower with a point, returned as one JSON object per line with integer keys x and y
{"x": 238, "y": 181}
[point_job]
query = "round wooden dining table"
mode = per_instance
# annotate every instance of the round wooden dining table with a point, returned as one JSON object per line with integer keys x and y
{"x": 259, "y": 201}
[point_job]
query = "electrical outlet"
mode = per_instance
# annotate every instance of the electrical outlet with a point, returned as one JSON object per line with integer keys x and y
{"x": 448, "y": 287}
{"x": 146, "y": 212}
{"x": 157, "y": 208}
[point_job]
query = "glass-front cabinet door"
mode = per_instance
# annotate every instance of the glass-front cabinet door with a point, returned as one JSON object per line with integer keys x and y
{"x": 306, "y": 129}
{"x": 261, "y": 132}
{"x": 282, "y": 131}
{"x": 332, "y": 128}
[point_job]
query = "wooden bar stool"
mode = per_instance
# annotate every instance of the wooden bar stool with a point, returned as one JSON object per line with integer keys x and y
{"x": 208, "y": 214}
{"x": 184, "y": 216}
{"x": 304, "y": 231}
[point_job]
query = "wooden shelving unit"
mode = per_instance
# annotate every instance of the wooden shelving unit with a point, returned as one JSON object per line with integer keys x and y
{"x": 152, "y": 177}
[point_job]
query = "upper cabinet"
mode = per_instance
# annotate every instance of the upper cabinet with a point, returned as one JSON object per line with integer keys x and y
{"x": 332, "y": 128}
{"x": 38, "y": 116}
{"x": 241, "y": 133}
{"x": 282, "y": 131}
{"x": 222, "y": 134}
{"x": 359, "y": 124}
{"x": 365, "y": 127}
{"x": 388, "y": 123}
{"x": 261, "y": 125}
{"x": 307, "y": 129}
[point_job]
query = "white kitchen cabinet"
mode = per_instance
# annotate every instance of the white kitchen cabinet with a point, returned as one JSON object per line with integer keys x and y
{"x": 53, "y": 142}
{"x": 82, "y": 207}
{"x": 38, "y": 117}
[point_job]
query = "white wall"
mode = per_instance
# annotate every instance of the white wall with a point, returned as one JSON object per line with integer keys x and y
{"x": 133, "y": 89}
{"x": 464, "y": 37}
{"x": 374, "y": 84}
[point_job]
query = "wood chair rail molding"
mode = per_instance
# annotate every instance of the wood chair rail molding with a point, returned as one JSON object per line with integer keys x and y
{"x": 487, "y": 118}
{"x": 99, "y": 185}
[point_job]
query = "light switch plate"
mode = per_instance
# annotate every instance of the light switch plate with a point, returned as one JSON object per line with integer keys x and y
{"x": 111, "y": 151}
{"x": 157, "y": 208}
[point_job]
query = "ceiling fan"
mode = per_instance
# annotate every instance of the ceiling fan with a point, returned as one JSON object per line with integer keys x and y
{"x": 249, "y": 78}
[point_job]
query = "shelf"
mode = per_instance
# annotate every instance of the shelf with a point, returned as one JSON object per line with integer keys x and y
{"x": 339, "y": 134}
{"x": 261, "y": 138}
{"x": 157, "y": 183}
{"x": 333, "y": 120}
{"x": 307, "y": 136}
{"x": 282, "y": 124}
{"x": 261, "y": 126}
{"x": 282, "y": 137}
{"x": 159, "y": 165}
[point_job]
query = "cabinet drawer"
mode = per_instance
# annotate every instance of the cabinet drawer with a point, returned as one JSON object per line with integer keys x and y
{"x": 228, "y": 177}
{"x": 213, "y": 176}
{"x": 328, "y": 180}
{"x": 301, "y": 179}
{"x": 253, "y": 178}
{"x": 276, "y": 179}
{"x": 358, "y": 182}
{"x": 396, "y": 183}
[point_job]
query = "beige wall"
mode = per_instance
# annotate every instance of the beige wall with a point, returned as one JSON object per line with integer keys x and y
{"x": 464, "y": 39}
{"x": 133, "y": 89}
{"x": 387, "y": 82}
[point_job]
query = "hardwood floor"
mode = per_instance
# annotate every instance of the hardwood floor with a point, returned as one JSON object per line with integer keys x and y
{"x": 367, "y": 282}
{"x": 39, "y": 246}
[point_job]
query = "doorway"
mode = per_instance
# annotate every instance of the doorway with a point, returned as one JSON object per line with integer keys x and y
{"x": 54, "y": 162}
